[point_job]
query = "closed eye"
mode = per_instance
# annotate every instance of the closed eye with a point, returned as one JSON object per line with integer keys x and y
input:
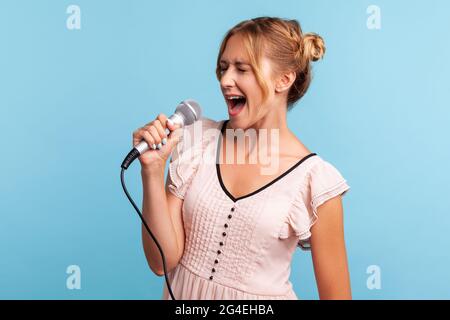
{"x": 240, "y": 70}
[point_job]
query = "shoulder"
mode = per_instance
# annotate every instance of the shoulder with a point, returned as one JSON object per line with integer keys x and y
{"x": 320, "y": 180}
{"x": 324, "y": 181}
{"x": 320, "y": 167}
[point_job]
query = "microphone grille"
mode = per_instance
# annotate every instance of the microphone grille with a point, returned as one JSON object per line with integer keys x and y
{"x": 190, "y": 110}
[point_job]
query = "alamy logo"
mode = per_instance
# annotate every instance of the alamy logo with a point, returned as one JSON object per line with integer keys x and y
{"x": 74, "y": 279}
{"x": 374, "y": 20}
{"x": 248, "y": 146}
{"x": 374, "y": 280}
{"x": 73, "y": 21}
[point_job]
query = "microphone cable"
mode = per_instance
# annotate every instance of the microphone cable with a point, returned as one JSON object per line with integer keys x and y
{"x": 124, "y": 167}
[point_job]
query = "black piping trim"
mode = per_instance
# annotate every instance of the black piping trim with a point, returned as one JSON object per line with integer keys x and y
{"x": 219, "y": 176}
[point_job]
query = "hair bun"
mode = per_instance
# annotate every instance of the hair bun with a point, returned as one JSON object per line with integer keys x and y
{"x": 314, "y": 46}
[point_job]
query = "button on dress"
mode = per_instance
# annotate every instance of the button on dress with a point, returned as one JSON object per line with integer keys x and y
{"x": 241, "y": 248}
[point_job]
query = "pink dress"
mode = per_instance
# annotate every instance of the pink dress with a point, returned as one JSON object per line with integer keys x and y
{"x": 241, "y": 248}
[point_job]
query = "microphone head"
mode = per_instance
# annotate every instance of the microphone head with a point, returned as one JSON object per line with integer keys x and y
{"x": 189, "y": 110}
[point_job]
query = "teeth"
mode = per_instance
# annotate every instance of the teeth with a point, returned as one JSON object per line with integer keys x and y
{"x": 235, "y": 97}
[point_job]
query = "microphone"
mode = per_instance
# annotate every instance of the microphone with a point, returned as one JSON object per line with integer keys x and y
{"x": 186, "y": 113}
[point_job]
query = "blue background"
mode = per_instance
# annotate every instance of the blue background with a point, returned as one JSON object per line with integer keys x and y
{"x": 377, "y": 109}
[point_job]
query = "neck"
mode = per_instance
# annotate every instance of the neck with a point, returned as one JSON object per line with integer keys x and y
{"x": 269, "y": 131}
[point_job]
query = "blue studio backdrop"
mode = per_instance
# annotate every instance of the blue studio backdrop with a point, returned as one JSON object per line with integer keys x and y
{"x": 78, "y": 77}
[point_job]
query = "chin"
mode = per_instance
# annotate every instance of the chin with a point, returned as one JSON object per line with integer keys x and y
{"x": 237, "y": 123}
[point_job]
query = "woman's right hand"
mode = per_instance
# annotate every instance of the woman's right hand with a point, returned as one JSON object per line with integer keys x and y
{"x": 153, "y": 133}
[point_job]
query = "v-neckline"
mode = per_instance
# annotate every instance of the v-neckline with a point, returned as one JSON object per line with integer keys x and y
{"x": 219, "y": 175}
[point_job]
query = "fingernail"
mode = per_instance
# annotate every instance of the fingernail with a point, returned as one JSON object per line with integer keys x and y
{"x": 164, "y": 141}
{"x": 159, "y": 146}
{"x": 170, "y": 121}
{"x": 153, "y": 146}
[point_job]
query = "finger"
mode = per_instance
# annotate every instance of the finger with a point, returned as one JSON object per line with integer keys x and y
{"x": 161, "y": 131}
{"x": 148, "y": 137}
{"x": 155, "y": 134}
{"x": 165, "y": 125}
{"x": 162, "y": 118}
{"x": 137, "y": 136}
{"x": 172, "y": 125}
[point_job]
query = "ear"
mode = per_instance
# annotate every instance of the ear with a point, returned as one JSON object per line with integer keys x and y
{"x": 285, "y": 81}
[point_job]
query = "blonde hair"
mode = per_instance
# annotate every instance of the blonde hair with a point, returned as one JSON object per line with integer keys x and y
{"x": 283, "y": 42}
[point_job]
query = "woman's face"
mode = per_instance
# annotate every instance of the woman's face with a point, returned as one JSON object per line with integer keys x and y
{"x": 238, "y": 79}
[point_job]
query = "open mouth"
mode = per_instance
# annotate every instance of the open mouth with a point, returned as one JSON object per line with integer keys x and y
{"x": 235, "y": 104}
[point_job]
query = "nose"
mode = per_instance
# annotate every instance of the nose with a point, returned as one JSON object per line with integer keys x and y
{"x": 227, "y": 79}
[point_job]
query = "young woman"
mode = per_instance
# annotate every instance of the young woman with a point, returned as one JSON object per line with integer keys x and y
{"x": 228, "y": 230}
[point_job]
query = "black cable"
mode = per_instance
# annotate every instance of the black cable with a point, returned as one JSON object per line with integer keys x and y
{"x": 149, "y": 232}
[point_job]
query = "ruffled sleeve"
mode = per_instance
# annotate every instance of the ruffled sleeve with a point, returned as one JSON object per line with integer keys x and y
{"x": 184, "y": 162}
{"x": 322, "y": 182}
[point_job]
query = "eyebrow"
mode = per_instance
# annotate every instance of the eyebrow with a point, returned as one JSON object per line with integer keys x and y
{"x": 237, "y": 62}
